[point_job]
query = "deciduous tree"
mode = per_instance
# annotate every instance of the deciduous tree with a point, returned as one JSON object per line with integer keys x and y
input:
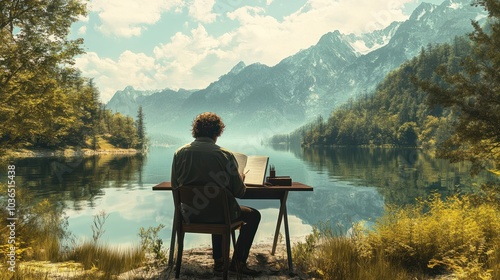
{"x": 35, "y": 69}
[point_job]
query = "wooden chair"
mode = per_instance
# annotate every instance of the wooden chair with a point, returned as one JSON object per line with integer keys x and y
{"x": 204, "y": 209}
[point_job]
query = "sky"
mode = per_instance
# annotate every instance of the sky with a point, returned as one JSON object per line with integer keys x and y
{"x": 158, "y": 44}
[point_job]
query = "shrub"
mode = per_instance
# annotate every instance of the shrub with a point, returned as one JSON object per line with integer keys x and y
{"x": 41, "y": 227}
{"x": 152, "y": 245}
{"x": 456, "y": 235}
{"x": 326, "y": 255}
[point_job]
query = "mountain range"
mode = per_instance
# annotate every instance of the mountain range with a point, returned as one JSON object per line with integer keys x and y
{"x": 260, "y": 100}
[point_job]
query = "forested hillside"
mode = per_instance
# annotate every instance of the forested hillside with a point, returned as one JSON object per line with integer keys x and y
{"x": 397, "y": 113}
{"x": 44, "y": 102}
{"x": 447, "y": 97}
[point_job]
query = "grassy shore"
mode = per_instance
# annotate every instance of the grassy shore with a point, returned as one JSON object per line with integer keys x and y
{"x": 87, "y": 261}
{"x": 102, "y": 147}
{"x": 457, "y": 237}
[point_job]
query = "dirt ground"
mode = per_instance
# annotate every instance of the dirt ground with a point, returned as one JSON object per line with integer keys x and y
{"x": 198, "y": 263}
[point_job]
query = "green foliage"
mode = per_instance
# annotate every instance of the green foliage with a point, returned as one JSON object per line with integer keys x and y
{"x": 474, "y": 93}
{"x": 448, "y": 97}
{"x": 44, "y": 100}
{"x": 122, "y": 131}
{"x": 407, "y": 134}
{"x": 153, "y": 246}
{"x": 303, "y": 253}
{"x": 456, "y": 235}
{"x": 326, "y": 255}
{"x": 35, "y": 72}
{"x": 98, "y": 226}
{"x": 40, "y": 229}
{"x": 42, "y": 235}
{"x": 141, "y": 130}
{"x": 396, "y": 114}
{"x": 494, "y": 262}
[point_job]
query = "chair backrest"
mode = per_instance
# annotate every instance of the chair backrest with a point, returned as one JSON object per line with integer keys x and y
{"x": 205, "y": 204}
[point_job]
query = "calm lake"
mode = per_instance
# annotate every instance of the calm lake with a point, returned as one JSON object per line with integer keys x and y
{"x": 350, "y": 184}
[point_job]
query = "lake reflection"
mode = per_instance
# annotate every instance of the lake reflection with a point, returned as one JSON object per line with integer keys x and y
{"x": 350, "y": 184}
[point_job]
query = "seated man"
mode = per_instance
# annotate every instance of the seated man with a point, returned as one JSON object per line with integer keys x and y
{"x": 203, "y": 162}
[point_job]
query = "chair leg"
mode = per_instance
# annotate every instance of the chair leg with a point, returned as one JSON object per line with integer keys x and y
{"x": 180, "y": 247}
{"x": 233, "y": 236}
{"x": 225, "y": 251}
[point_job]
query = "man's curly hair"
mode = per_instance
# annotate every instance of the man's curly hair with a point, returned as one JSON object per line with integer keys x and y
{"x": 207, "y": 124}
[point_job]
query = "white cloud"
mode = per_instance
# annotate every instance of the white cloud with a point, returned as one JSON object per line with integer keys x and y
{"x": 195, "y": 58}
{"x": 83, "y": 18}
{"x": 130, "y": 69}
{"x": 82, "y": 30}
{"x": 127, "y": 18}
{"x": 201, "y": 10}
{"x": 343, "y": 15}
{"x": 267, "y": 40}
{"x": 190, "y": 61}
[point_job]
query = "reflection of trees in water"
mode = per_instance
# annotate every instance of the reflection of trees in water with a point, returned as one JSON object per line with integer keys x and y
{"x": 79, "y": 180}
{"x": 399, "y": 175}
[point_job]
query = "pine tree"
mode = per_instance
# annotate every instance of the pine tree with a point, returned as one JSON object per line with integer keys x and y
{"x": 474, "y": 93}
{"x": 141, "y": 130}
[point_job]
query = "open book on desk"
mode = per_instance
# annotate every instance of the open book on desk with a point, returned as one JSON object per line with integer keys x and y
{"x": 253, "y": 167}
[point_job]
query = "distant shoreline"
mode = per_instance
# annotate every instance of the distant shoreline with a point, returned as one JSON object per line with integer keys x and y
{"x": 47, "y": 153}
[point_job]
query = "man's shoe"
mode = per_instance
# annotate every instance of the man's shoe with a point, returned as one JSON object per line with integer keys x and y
{"x": 241, "y": 268}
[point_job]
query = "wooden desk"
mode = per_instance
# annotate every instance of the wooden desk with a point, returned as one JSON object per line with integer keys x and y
{"x": 257, "y": 192}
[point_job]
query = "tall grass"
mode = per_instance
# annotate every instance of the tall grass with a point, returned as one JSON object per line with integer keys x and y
{"x": 494, "y": 262}
{"x": 42, "y": 236}
{"x": 325, "y": 255}
{"x": 23, "y": 274}
{"x": 93, "y": 261}
{"x": 109, "y": 260}
{"x": 455, "y": 235}
{"x": 459, "y": 235}
{"x": 48, "y": 247}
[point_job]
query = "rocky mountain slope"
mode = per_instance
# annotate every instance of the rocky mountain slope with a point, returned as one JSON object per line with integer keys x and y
{"x": 260, "y": 100}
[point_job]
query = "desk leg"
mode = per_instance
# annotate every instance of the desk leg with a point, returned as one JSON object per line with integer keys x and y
{"x": 172, "y": 242}
{"x": 287, "y": 238}
{"x": 278, "y": 224}
{"x": 283, "y": 215}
